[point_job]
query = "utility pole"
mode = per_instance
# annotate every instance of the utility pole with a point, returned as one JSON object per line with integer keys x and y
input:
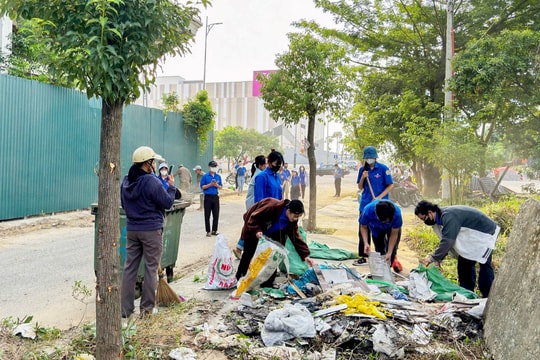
{"x": 448, "y": 96}
{"x": 207, "y": 29}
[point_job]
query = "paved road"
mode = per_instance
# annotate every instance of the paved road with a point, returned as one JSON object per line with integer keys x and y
{"x": 40, "y": 267}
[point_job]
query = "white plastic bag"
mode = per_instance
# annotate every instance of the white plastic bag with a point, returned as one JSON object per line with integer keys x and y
{"x": 221, "y": 273}
{"x": 287, "y": 323}
{"x": 379, "y": 269}
{"x": 265, "y": 261}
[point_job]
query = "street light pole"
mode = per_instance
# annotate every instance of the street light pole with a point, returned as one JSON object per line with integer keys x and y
{"x": 207, "y": 29}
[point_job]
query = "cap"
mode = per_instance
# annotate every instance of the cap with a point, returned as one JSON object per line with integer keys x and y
{"x": 163, "y": 165}
{"x": 145, "y": 153}
{"x": 198, "y": 167}
{"x": 370, "y": 153}
{"x": 296, "y": 207}
{"x": 212, "y": 163}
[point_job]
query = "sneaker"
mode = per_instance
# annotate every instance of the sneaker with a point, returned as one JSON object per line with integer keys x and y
{"x": 237, "y": 253}
{"x": 214, "y": 233}
{"x": 208, "y": 234}
{"x": 360, "y": 261}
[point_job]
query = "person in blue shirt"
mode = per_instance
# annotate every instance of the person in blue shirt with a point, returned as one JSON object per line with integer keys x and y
{"x": 268, "y": 182}
{"x": 211, "y": 184}
{"x": 241, "y": 177}
{"x": 338, "y": 175}
{"x": 256, "y": 168}
{"x": 285, "y": 176}
{"x": 375, "y": 181}
{"x": 383, "y": 219}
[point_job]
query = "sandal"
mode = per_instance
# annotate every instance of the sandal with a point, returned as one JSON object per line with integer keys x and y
{"x": 360, "y": 261}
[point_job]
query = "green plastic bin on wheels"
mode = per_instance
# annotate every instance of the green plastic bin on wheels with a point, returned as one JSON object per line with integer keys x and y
{"x": 171, "y": 238}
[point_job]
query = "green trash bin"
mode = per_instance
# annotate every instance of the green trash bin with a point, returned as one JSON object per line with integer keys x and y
{"x": 171, "y": 238}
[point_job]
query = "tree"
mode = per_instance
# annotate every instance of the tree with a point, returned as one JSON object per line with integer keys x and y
{"x": 311, "y": 80}
{"x": 233, "y": 140}
{"x": 108, "y": 49}
{"x": 399, "y": 49}
{"x": 496, "y": 87}
{"x": 199, "y": 116}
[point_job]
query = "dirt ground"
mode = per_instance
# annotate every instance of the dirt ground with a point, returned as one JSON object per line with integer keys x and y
{"x": 341, "y": 221}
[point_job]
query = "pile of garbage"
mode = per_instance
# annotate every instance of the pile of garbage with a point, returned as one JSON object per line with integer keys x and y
{"x": 332, "y": 311}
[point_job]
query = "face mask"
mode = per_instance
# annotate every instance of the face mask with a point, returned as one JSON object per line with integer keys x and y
{"x": 152, "y": 167}
{"x": 213, "y": 169}
{"x": 275, "y": 168}
{"x": 164, "y": 172}
{"x": 429, "y": 222}
{"x": 370, "y": 161}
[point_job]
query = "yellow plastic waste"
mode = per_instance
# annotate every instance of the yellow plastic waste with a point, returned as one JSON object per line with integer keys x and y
{"x": 360, "y": 304}
{"x": 254, "y": 268}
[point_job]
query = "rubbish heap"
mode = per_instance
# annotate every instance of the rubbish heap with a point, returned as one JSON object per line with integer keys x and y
{"x": 332, "y": 310}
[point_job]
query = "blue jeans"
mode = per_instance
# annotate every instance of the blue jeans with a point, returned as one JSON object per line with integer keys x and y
{"x": 467, "y": 275}
{"x": 241, "y": 181}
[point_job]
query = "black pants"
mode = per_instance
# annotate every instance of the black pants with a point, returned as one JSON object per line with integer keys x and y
{"x": 250, "y": 246}
{"x": 361, "y": 243}
{"x": 337, "y": 184}
{"x": 467, "y": 275}
{"x": 211, "y": 206}
{"x": 381, "y": 244}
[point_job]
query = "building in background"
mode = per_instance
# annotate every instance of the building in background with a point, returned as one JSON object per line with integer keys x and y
{"x": 237, "y": 103}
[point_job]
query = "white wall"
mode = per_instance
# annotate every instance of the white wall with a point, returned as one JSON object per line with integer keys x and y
{"x": 5, "y": 32}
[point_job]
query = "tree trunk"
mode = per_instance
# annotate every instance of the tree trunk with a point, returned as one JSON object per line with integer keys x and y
{"x": 432, "y": 180}
{"x": 312, "y": 214}
{"x": 108, "y": 311}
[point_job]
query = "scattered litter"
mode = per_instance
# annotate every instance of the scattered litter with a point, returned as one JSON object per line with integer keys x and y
{"x": 276, "y": 352}
{"x": 384, "y": 341}
{"x": 330, "y": 310}
{"x": 420, "y": 287}
{"x": 287, "y": 323}
{"x": 26, "y": 330}
{"x": 84, "y": 357}
{"x": 361, "y": 304}
{"x": 182, "y": 353}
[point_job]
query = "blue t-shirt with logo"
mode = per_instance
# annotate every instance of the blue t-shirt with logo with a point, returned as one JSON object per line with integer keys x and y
{"x": 380, "y": 177}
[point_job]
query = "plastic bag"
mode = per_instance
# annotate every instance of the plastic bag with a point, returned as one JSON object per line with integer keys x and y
{"x": 442, "y": 286}
{"x": 290, "y": 322}
{"x": 380, "y": 270}
{"x": 221, "y": 273}
{"x": 265, "y": 262}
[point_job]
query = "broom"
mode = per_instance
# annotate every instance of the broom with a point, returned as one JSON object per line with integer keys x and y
{"x": 165, "y": 295}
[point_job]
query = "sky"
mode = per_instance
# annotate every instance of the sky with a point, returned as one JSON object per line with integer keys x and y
{"x": 251, "y": 34}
